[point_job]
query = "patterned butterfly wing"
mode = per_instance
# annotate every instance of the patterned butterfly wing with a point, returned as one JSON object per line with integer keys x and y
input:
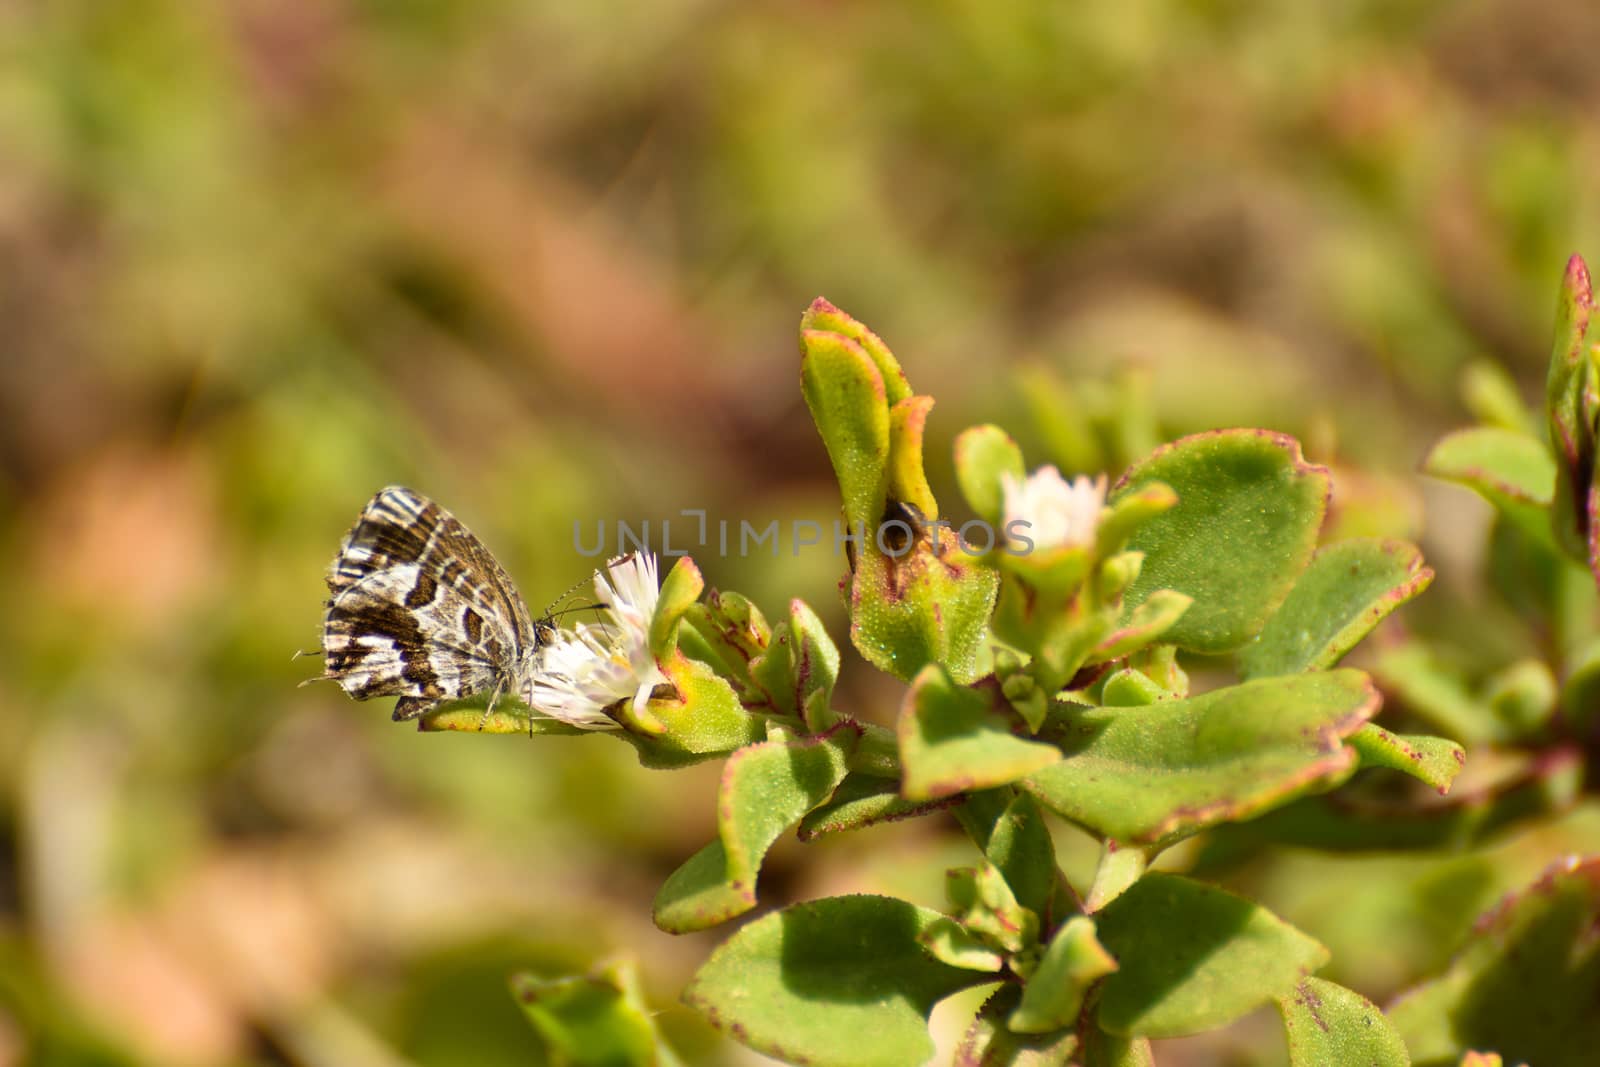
{"x": 420, "y": 609}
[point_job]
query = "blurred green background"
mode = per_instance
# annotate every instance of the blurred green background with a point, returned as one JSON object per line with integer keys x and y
{"x": 544, "y": 262}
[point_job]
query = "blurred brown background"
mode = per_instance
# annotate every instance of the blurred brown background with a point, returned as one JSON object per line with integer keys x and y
{"x": 544, "y": 262}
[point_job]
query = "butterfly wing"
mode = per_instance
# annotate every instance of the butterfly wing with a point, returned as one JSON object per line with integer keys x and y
{"x": 420, "y": 609}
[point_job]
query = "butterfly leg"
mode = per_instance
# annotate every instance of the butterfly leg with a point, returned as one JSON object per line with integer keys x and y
{"x": 494, "y": 698}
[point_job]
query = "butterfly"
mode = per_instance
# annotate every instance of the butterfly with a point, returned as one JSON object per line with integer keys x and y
{"x": 418, "y": 608}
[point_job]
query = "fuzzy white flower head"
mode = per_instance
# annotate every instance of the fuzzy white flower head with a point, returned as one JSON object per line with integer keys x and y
{"x": 587, "y": 669}
{"x": 1057, "y": 514}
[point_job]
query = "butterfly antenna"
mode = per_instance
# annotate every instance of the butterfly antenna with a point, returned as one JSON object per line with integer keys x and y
{"x": 555, "y": 611}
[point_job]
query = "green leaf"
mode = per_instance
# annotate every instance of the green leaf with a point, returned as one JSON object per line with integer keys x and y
{"x": 823, "y": 316}
{"x": 772, "y": 674}
{"x": 1160, "y": 664}
{"x": 815, "y": 667}
{"x": 1130, "y": 420}
{"x": 731, "y": 632}
{"x": 925, "y": 607}
{"x": 984, "y": 455}
{"x": 597, "y": 1020}
{"x": 1101, "y": 1049}
{"x": 1527, "y": 983}
{"x": 702, "y": 893}
{"x": 1491, "y": 394}
{"x": 797, "y": 671}
{"x": 738, "y": 622}
{"x": 1129, "y": 511}
{"x": 1058, "y": 572}
{"x": 879, "y": 751}
{"x": 1580, "y": 693}
{"x": 980, "y": 812}
{"x": 908, "y": 483}
{"x": 1542, "y": 583}
{"x": 681, "y": 588}
{"x": 951, "y": 942}
{"x": 1020, "y": 847}
{"x": 765, "y": 789}
{"x": 1511, "y": 470}
{"x": 1572, "y": 394}
{"x": 1504, "y": 466}
{"x": 1053, "y": 995}
{"x": 1043, "y": 611}
{"x": 696, "y": 716}
{"x": 1145, "y": 624}
{"x": 1330, "y": 1024}
{"x": 1432, "y": 759}
{"x": 1130, "y": 688}
{"x": 1433, "y": 691}
{"x": 1118, "y": 572}
{"x": 954, "y": 738}
{"x": 982, "y": 902}
{"x": 1548, "y": 787}
{"x": 845, "y": 392}
{"x": 865, "y": 800}
{"x": 989, "y": 1043}
{"x": 1065, "y": 419}
{"x": 1148, "y": 773}
{"x": 1194, "y": 958}
{"x": 1523, "y": 695}
{"x": 1243, "y": 529}
{"x": 839, "y": 982}
{"x": 1120, "y": 866}
{"x": 1349, "y": 588}
{"x": 1021, "y": 689}
{"x": 1564, "y": 384}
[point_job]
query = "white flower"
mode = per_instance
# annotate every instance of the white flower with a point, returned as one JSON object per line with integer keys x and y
{"x": 582, "y": 671}
{"x": 1053, "y": 513}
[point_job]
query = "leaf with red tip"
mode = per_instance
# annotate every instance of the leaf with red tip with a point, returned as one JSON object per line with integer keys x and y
{"x": 765, "y": 789}
{"x": 1192, "y": 957}
{"x": 1527, "y": 983}
{"x": 1572, "y": 399}
{"x": 822, "y": 315}
{"x": 1145, "y": 774}
{"x": 839, "y": 982}
{"x": 1349, "y": 588}
{"x": 954, "y": 738}
{"x": 1243, "y": 528}
{"x": 1329, "y": 1024}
